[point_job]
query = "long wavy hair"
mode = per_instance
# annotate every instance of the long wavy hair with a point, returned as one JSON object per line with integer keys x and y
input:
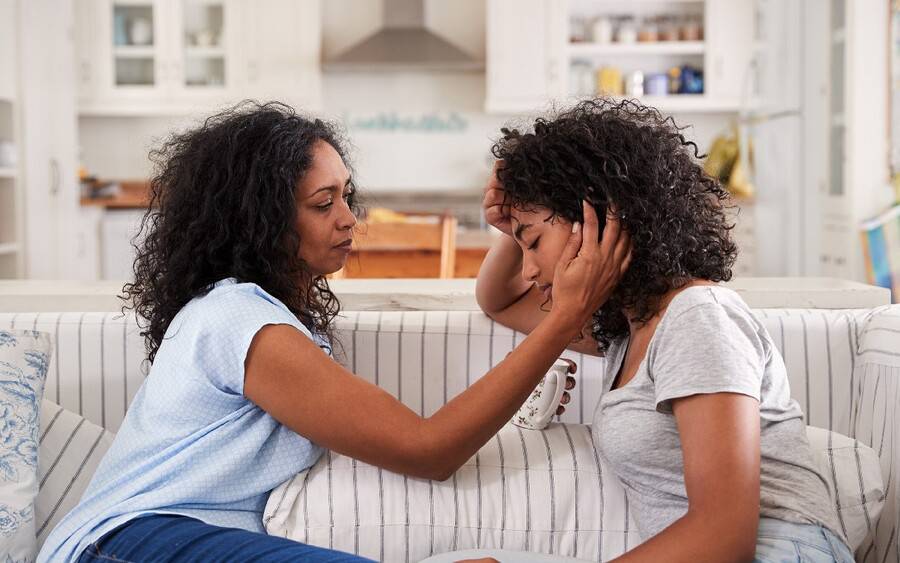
{"x": 629, "y": 155}
{"x": 223, "y": 206}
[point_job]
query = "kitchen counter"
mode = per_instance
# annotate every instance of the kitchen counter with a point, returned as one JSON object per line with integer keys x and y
{"x": 134, "y": 194}
{"x": 435, "y": 294}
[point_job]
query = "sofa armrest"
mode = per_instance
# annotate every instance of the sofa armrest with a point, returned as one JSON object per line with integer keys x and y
{"x": 876, "y": 379}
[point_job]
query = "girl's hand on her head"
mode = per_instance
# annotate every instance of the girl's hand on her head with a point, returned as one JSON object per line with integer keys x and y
{"x": 588, "y": 271}
{"x": 495, "y": 212}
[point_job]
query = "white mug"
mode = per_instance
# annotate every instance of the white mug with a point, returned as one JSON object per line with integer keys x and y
{"x": 538, "y": 410}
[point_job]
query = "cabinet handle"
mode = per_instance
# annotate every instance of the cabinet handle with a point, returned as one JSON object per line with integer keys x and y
{"x": 253, "y": 71}
{"x": 54, "y": 177}
{"x": 85, "y": 71}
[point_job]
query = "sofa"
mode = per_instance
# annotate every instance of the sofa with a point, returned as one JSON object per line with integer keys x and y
{"x": 843, "y": 365}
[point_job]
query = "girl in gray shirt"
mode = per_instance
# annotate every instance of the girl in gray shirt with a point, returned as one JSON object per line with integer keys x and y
{"x": 696, "y": 418}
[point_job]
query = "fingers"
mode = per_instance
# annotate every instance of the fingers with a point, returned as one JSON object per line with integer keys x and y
{"x": 572, "y": 246}
{"x": 625, "y": 263}
{"x": 565, "y": 398}
{"x": 570, "y": 382}
{"x": 573, "y": 367}
{"x": 611, "y": 231}
{"x": 591, "y": 226}
{"x": 560, "y": 410}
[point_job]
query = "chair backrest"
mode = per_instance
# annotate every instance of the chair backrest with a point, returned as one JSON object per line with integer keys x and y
{"x": 416, "y": 247}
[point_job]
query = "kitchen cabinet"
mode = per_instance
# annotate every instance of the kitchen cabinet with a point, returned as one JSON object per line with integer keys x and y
{"x": 48, "y": 210}
{"x": 146, "y": 57}
{"x": 535, "y": 54}
{"x": 819, "y": 131}
{"x": 524, "y": 54}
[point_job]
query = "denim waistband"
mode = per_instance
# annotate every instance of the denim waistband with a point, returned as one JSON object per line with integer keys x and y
{"x": 810, "y": 534}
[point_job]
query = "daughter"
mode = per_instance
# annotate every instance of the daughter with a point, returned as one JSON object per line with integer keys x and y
{"x": 696, "y": 418}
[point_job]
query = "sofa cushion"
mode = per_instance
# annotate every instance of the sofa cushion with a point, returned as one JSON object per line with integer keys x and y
{"x": 541, "y": 491}
{"x": 854, "y": 477}
{"x": 24, "y": 357}
{"x": 71, "y": 448}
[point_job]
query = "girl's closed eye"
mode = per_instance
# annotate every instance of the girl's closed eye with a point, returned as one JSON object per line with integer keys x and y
{"x": 534, "y": 244}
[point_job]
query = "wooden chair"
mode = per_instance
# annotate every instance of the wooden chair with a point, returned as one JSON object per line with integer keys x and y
{"x": 420, "y": 246}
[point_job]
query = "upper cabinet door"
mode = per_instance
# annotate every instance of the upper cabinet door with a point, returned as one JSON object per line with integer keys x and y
{"x": 151, "y": 57}
{"x": 729, "y": 39}
{"x": 282, "y": 46}
{"x": 525, "y": 44}
{"x": 205, "y": 47}
{"x": 134, "y": 62}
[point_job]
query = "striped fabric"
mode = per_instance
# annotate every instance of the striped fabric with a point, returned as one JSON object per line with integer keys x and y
{"x": 842, "y": 368}
{"x": 525, "y": 490}
{"x": 543, "y": 491}
{"x": 69, "y": 452}
{"x": 97, "y": 363}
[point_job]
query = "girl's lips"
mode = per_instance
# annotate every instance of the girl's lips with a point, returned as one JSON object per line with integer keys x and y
{"x": 547, "y": 290}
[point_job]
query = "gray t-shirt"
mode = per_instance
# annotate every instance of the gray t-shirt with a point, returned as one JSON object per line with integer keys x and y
{"x": 708, "y": 341}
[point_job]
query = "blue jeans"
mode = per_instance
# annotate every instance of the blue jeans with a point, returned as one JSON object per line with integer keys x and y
{"x": 180, "y": 539}
{"x": 777, "y": 542}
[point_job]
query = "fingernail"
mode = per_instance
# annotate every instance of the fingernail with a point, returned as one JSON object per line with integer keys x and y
{"x": 575, "y": 226}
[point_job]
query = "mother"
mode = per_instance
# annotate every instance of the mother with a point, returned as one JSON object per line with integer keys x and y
{"x": 250, "y": 212}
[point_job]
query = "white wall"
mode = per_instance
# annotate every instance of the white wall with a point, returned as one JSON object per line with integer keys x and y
{"x": 117, "y": 147}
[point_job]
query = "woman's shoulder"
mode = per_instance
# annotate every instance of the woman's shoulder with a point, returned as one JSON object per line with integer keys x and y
{"x": 232, "y": 293}
{"x": 707, "y": 296}
{"x": 711, "y": 304}
{"x": 229, "y": 302}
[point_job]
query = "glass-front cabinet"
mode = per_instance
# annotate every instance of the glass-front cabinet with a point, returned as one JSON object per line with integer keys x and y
{"x": 167, "y": 57}
{"x": 173, "y": 51}
{"x": 135, "y": 45}
{"x": 205, "y": 47}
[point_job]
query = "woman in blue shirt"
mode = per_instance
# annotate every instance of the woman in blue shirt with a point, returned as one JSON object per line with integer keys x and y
{"x": 249, "y": 213}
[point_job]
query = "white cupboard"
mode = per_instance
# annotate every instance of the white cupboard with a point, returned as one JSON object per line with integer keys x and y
{"x": 539, "y": 51}
{"x": 524, "y": 54}
{"x": 144, "y": 57}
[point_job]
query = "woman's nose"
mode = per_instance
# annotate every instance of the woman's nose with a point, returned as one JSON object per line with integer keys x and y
{"x": 530, "y": 271}
{"x": 347, "y": 219}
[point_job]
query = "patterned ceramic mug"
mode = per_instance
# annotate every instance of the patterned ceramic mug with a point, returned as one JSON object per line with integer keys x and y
{"x": 538, "y": 410}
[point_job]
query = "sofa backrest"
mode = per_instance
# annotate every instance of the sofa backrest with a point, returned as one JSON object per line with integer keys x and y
{"x": 426, "y": 357}
{"x": 843, "y": 367}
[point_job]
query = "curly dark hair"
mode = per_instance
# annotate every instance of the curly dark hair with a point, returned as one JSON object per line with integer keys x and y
{"x": 626, "y": 154}
{"x": 223, "y": 206}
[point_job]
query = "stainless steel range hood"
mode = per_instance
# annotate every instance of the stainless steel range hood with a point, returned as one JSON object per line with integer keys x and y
{"x": 403, "y": 44}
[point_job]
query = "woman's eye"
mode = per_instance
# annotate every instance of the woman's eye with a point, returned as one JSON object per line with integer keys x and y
{"x": 534, "y": 244}
{"x": 325, "y": 205}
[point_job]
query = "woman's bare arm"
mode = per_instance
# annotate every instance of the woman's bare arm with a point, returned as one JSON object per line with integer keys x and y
{"x": 720, "y": 442}
{"x": 289, "y": 377}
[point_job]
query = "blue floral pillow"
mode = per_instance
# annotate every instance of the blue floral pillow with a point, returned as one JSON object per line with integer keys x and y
{"x": 24, "y": 356}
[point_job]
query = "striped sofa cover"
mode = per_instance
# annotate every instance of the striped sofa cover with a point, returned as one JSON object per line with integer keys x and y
{"x": 843, "y": 365}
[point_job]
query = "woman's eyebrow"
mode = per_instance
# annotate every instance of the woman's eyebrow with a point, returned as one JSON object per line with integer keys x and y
{"x": 332, "y": 188}
{"x": 521, "y": 230}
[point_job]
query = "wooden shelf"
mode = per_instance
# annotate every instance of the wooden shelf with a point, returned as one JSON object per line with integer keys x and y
{"x": 8, "y": 172}
{"x": 8, "y": 248}
{"x": 655, "y": 48}
{"x": 682, "y": 103}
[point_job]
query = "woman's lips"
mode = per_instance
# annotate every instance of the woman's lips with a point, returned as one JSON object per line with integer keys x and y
{"x": 547, "y": 290}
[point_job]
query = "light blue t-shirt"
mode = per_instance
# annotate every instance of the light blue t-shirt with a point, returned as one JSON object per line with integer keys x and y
{"x": 191, "y": 443}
